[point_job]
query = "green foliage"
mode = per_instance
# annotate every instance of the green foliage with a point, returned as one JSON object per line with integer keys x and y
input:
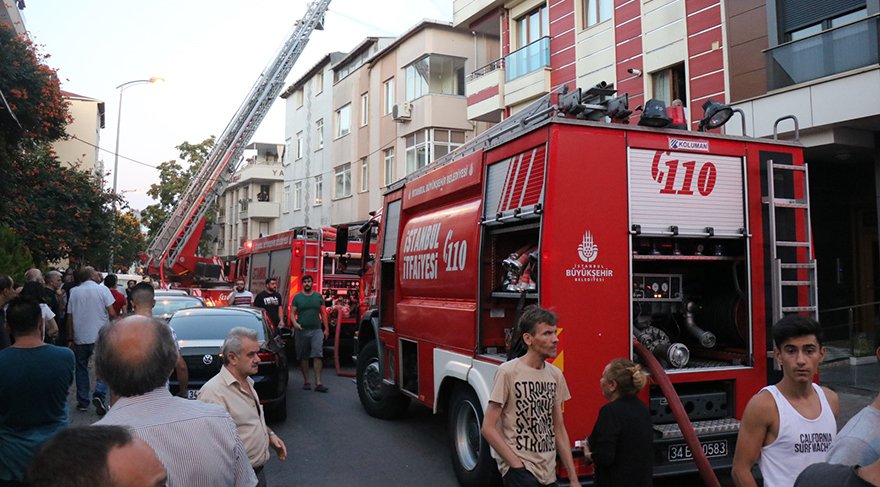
{"x": 15, "y": 259}
{"x": 174, "y": 176}
{"x": 57, "y": 212}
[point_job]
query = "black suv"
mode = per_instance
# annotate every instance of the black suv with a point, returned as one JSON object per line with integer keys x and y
{"x": 200, "y": 334}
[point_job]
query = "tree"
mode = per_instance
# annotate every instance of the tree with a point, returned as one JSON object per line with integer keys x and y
{"x": 57, "y": 212}
{"x": 174, "y": 176}
{"x": 15, "y": 259}
{"x": 32, "y": 109}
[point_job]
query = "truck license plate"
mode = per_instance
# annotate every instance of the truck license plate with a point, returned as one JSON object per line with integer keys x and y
{"x": 681, "y": 452}
{"x": 192, "y": 394}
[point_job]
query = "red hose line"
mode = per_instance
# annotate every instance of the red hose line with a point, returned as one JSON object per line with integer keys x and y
{"x": 687, "y": 430}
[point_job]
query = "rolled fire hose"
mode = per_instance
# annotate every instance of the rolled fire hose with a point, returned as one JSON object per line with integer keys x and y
{"x": 687, "y": 430}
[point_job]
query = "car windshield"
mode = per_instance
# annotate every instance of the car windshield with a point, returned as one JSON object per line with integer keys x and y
{"x": 166, "y": 307}
{"x": 214, "y": 326}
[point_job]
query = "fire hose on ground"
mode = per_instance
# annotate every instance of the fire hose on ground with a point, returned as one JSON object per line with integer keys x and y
{"x": 687, "y": 430}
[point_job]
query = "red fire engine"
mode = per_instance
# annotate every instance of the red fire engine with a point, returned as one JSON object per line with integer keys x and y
{"x": 686, "y": 244}
{"x": 332, "y": 262}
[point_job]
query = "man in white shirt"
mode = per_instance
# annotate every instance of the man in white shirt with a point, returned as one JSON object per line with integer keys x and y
{"x": 233, "y": 389}
{"x": 89, "y": 309}
{"x": 197, "y": 442}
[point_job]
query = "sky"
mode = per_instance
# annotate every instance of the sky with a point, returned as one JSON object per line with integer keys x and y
{"x": 210, "y": 53}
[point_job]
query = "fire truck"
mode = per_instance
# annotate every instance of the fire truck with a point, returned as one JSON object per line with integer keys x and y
{"x": 171, "y": 255}
{"x": 668, "y": 246}
{"x": 323, "y": 253}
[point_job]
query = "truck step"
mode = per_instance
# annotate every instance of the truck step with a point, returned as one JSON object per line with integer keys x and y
{"x": 789, "y": 167}
{"x": 712, "y": 426}
{"x": 798, "y": 309}
{"x": 811, "y": 265}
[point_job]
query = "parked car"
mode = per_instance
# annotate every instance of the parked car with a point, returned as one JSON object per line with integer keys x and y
{"x": 166, "y": 305}
{"x": 200, "y": 334}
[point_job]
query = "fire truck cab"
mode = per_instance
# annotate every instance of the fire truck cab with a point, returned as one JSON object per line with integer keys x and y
{"x": 626, "y": 233}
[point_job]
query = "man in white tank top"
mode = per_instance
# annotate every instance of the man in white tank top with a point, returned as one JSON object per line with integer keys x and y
{"x": 788, "y": 426}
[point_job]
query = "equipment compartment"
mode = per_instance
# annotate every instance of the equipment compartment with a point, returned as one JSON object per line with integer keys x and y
{"x": 690, "y": 301}
{"x": 510, "y": 278}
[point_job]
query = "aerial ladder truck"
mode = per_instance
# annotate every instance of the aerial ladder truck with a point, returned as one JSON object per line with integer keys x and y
{"x": 172, "y": 253}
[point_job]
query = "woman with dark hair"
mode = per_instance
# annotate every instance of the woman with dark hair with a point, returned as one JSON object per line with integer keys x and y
{"x": 34, "y": 290}
{"x": 622, "y": 439}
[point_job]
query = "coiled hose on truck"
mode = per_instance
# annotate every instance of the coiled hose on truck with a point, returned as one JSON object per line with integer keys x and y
{"x": 687, "y": 430}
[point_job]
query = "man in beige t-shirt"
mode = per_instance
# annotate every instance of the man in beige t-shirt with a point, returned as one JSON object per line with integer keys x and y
{"x": 523, "y": 422}
{"x": 233, "y": 389}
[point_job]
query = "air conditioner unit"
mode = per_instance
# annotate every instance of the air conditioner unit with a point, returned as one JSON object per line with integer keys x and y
{"x": 402, "y": 111}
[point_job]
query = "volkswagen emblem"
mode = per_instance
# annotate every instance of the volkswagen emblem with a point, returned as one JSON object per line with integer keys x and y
{"x": 208, "y": 359}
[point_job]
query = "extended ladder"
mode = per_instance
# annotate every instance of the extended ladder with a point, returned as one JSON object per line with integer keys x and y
{"x": 166, "y": 249}
{"x": 793, "y": 268}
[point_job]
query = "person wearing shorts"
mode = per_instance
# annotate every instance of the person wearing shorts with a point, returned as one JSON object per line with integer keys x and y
{"x": 307, "y": 316}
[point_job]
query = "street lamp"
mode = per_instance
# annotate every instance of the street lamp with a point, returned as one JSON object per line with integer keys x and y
{"x": 121, "y": 89}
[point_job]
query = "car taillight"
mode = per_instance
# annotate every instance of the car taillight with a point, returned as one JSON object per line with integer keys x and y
{"x": 266, "y": 357}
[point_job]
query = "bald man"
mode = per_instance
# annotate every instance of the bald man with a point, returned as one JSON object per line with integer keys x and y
{"x": 197, "y": 442}
{"x": 96, "y": 455}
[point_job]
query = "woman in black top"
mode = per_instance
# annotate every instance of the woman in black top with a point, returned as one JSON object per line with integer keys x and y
{"x": 621, "y": 445}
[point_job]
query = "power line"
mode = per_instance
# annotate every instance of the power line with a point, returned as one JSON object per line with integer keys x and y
{"x": 113, "y": 153}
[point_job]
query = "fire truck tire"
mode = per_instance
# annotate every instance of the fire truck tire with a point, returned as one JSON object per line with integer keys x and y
{"x": 471, "y": 457}
{"x": 379, "y": 399}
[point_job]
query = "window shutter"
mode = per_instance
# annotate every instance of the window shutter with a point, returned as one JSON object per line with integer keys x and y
{"x": 795, "y": 14}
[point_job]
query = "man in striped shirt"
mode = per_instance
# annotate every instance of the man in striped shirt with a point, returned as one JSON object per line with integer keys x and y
{"x": 197, "y": 442}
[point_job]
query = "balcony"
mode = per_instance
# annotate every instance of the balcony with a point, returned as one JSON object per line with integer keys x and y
{"x": 827, "y": 53}
{"x": 259, "y": 210}
{"x": 485, "y": 90}
{"x": 258, "y": 172}
{"x": 527, "y": 72}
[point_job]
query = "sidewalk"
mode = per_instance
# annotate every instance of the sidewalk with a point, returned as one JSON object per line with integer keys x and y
{"x": 856, "y": 385}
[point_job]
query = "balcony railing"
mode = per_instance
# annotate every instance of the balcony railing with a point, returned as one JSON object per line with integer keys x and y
{"x": 527, "y": 59}
{"x": 833, "y": 51}
{"x": 480, "y": 72}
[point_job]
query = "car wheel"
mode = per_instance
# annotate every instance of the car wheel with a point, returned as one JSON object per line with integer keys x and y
{"x": 379, "y": 399}
{"x": 471, "y": 457}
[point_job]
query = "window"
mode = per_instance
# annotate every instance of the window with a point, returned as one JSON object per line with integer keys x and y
{"x": 427, "y": 145}
{"x": 597, "y": 11}
{"x": 319, "y": 132}
{"x": 287, "y": 151}
{"x": 299, "y": 145}
{"x": 342, "y": 178}
{"x": 533, "y": 26}
{"x": 365, "y": 109}
{"x": 319, "y": 82}
{"x": 388, "y": 88}
{"x": 298, "y": 98}
{"x": 285, "y": 202}
{"x": 365, "y": 175}
{"x": 435, "y": 74}
{"x": 343, "y": 121}
{"x": 297, "y": 195}
{"x": 263, "y": 195}
{"x": 670, "y": 84}
{"x": 802, "y": 18}
{"x": 319, "y": 190}
{"x": 389, "y": 166}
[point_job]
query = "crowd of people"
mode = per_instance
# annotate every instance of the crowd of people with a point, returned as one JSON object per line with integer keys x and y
{"x": 54, "y": 324}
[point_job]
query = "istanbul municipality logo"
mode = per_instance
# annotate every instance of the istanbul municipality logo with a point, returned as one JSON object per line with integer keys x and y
{"x": 588, "y": 250}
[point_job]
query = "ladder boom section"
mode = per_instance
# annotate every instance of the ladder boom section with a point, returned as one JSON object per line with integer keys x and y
{"x": 214, "y": 176}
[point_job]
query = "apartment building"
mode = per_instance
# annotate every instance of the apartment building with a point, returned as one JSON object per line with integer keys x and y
{"x": 818, "y": 60}
{"x": 250, "y": 207}
{"x": 664, "y": 49}
{"x": 385, "y": 109}
{"x": 11, "y": 17}
{"x": 80, "y": 149}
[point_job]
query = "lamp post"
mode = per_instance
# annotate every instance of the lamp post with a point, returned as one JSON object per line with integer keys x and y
{"x": 121, "y": 89}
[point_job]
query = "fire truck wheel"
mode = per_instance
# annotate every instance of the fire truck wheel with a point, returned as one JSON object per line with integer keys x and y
{"x": 379, "y": 399}
{"x": 471, "y": 459}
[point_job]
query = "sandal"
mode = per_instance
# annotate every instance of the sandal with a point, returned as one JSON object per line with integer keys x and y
{"x": 321, "y": 388}
{"x": 307, "y": 386}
